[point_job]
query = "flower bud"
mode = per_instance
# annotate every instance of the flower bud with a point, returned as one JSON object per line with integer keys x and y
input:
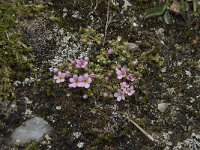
{"x": 92, "y": 75}
{"x": 106, "y": 78}
{"x": 85, "y": 96}
{"x": 110, "y": 51}
{"x": 55, "y": 70}
{"x": 135, "y": 62}
{"x": 119, "y": 38}
{"x": 105, "y": 94}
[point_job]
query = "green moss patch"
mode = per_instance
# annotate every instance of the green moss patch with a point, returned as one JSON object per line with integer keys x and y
{"x": 15, "y": 55}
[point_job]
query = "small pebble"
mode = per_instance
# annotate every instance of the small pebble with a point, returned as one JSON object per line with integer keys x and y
{"x": 163, "y": 106}
{"x": 58, "y": 107}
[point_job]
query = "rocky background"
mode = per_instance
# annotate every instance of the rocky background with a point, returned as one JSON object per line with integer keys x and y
{"x": 167, "y": 106}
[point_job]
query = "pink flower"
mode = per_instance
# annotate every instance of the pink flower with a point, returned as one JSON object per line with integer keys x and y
{"x": 60, "y": 77}
{"x": 120, "y": 95}
{"x": 67, "y": 74}
{"x": 87, "y": 80}
{"x": 121, "y": 73}
{"x": 110, "y": 51}
{"x": 80, "y": 81}
{"x": 81, "y": 63}
{"x": 130, "y": 91}
{"x": 84, "y": 81}
{"x": 124, "y": 86}
{"x": 130, "y": 77}
{"x": 73, "y": 81}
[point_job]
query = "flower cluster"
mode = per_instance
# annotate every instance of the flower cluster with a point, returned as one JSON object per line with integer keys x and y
{"x": 81, "y": 63}
{"x": 62, "y": 73}
{"x": 125, "y": 88}
{"x": 80, "y": 81}
{"x": 121, "y": 73}
{"x": 99, "y": 75}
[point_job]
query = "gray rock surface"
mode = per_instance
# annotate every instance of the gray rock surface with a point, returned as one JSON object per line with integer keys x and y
{"x": 132, "y": 46}
{"x": 32, "y": 129}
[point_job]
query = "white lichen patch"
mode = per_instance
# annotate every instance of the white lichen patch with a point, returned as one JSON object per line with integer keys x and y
{"x": 168, "y": 143}
{"x": 27, "y": 100}
{"x": 68, "y": 47}
{"x": 28, "y": 81}
{"x": 171, "y": 91}
{"x": 160, "y": 33}
{"x": 28, "y": 112}
{"x": 188, "y": 73}
{"x": 17, "y": 83}
{"x": 192, "y": 143}
{"x": 80, "y": 144}
{"x": 77, "y": 134}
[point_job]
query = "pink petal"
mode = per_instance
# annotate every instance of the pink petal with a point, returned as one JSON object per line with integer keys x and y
{"x": 77, "y": 66}
{"x": 62, "y": 80}
{"x": 116, "y": 94}
{"x": 72, "y": 85}
{"x": 63, "y": 75}
{"x": 129, "y": 93}
{"x": 71, "y": 80}
{"x": 87, "y": 85}
{"x": 80, "y": 78}
{"x": 55, "y": 77}
{"x": 58, "y": 81}
{"x": 59, "y": 73}
{"x": 67, "y": 74}
{"x": 85, "y": 75}
{"x": 119, "y": 98}
{"x": 119, "y": 77}
{"x": 123, "y": 69}
{"x": 89, "y": 80}
{"x": 119, "y": 72}
{"x": 80, "y": 84}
